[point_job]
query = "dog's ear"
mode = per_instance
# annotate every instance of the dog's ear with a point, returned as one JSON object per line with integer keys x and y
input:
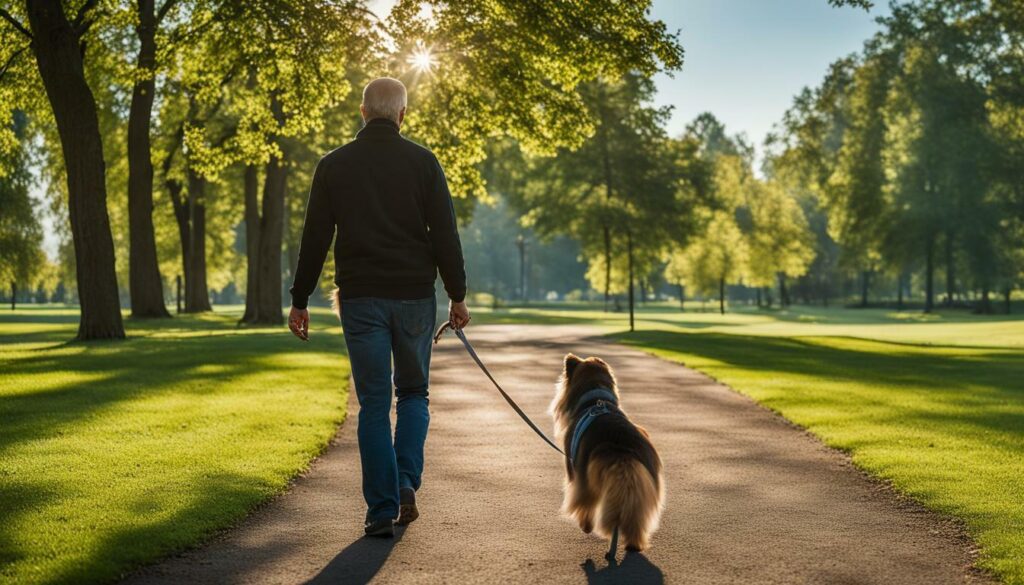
{"x": 571, "y": 361}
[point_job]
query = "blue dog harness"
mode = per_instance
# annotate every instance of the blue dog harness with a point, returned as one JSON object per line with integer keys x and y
{"x": 606, "y": 403}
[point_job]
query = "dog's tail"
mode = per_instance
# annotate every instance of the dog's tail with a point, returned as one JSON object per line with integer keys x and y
{"x": 630, "y": 500}
{"x": 336, "y": 302}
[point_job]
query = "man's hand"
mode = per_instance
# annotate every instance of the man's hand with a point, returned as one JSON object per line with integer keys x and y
{"x": 298, "y": 322}
{"x": 458, "y": 314}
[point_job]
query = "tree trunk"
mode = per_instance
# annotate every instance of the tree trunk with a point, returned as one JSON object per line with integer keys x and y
{"x": 721, "y": 295}
{"x": 986, "y": 306}
{"x": 607, "y": 266}
{"x": 899, "y": 292}
{"x": 629, "y": 261}
{"x": 783, "y": 291}
{"x": 950, "y": 270}
{"x": 252, "y": 241}
{"x": 59, "y": 58}
{"x": 929, "y": 275}
{"x": 1006, "y": 295}
{"x": 757, "y": 293}
{"x": 268, "y": 271}
{"x": 643, "y": 291}
{"x": 14, "y": 294}
{"x": 144, "y": 282}
{"x": 682, "y": 298}
{"x": 865, "y": 281}
{"x": 183, "y": 217}
{"x": 197, "y": 293}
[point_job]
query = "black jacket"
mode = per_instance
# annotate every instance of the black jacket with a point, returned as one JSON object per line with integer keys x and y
{"x": 389, "y": 201}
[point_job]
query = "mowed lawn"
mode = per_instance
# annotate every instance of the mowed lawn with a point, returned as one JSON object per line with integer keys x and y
{"x": 113, "y": 454}
{"x": 934, "y": 404}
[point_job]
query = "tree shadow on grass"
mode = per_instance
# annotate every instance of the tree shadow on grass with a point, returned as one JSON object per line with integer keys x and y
{"x": 879, "y": 362}
{"x": 359, "y": 562}
{"x": 37, "y": 317}
{"x": 220, "y": 500}
{"x": 983, "y": 389}
{"x": 53, "y": 389}
{"x": 114, "y": 373}
{"x": 16, "y": 497}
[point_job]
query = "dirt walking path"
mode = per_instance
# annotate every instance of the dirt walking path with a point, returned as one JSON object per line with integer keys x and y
{"x": 751, "y": 499}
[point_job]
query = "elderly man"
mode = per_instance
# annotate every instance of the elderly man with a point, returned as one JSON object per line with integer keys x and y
{"x": 388, "y": 200}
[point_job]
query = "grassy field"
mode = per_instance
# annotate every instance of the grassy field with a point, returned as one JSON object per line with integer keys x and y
{"x": 935, "y": 404}
{"x": 113, "y": 454}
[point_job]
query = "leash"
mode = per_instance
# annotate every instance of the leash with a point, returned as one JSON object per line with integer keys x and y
{"x": 472, "y": 353}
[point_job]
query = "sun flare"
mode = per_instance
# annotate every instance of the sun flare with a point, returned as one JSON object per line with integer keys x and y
{"x": 422, "y": 60}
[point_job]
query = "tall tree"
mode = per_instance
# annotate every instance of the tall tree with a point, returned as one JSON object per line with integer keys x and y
{"x": 715, "y": 257}
{"x": 780, "y": 243}
{"x": 58, "y": 43}
{"x": 651, "y": 195}
{"x": 144, "y": 280}
{"x": 21, "y": 255}
{"x": 621, "y": 194}
{"x": 282, "y": 97}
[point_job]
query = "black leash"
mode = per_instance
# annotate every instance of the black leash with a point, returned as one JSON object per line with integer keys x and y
{"x": 472, "y": 353}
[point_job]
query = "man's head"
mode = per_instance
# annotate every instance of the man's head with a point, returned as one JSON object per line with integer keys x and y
{"x": 384, "y": 97}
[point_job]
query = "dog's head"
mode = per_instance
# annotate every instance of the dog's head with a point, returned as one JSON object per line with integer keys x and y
{"x": 579, "y": 376}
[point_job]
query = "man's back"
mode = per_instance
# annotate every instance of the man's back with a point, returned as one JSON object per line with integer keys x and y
{"x": 396, "y": 227}
{"x": 388, "y": 199}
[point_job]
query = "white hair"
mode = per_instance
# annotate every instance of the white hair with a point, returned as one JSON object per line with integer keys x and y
{"x": 384, "y": 97}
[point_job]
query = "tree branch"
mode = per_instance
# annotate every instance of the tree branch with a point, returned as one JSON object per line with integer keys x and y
{"x": 80, "y": 17}
{"x": 10, "y": 60}
{"x": 83, "y": 28}
{"x": 164, "y": 9}
{"x": 14, "y": 22}
{"x": 173, "y": 185}
{"x": 179, "y": 135}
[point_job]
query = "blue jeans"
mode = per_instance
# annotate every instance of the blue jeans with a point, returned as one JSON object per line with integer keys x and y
{"x": 377, "y": 330}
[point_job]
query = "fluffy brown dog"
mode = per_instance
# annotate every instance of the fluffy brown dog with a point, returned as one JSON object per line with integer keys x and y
{"x": 614, "y": 478}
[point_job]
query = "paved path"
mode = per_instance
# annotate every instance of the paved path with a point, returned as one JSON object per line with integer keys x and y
{"x": 751, "y": 499}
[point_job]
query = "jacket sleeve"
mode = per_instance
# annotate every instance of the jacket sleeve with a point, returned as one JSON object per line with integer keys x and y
{"x": 317, "y": 234}
{"x": 444, "y": 234}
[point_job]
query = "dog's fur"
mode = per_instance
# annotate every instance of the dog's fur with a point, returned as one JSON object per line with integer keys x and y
{"x": 616, "y": 480}
{"x": 336, "y": 301}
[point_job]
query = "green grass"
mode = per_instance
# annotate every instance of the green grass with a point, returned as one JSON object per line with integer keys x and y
{"x": 934, "y": 404}
{"x": 113, "y": 454}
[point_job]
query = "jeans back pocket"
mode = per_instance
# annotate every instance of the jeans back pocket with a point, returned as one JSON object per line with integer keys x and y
{"x": 418, "y": 316}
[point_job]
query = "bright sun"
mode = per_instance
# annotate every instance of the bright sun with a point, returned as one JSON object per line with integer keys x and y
{"x": 422, "y": 59}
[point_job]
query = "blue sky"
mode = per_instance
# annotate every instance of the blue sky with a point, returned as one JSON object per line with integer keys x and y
{"x": 746, "y": 59}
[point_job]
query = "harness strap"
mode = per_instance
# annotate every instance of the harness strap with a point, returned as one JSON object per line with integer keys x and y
{"x": 587, "y": 418}
{"x": 472, "y": 353}
{"x": 599, "y": 392}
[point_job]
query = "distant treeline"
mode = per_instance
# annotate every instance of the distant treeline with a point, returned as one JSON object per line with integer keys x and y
{"x": 175, "y": 140}
{"x": 901, "y": 175}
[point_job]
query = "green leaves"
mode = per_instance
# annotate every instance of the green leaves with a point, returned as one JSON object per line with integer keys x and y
{"x": 865, "y": 4}
{"x": 510, "y": 68}
{"x": 909, "y": 144}
{"x": 21, "y": 255}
